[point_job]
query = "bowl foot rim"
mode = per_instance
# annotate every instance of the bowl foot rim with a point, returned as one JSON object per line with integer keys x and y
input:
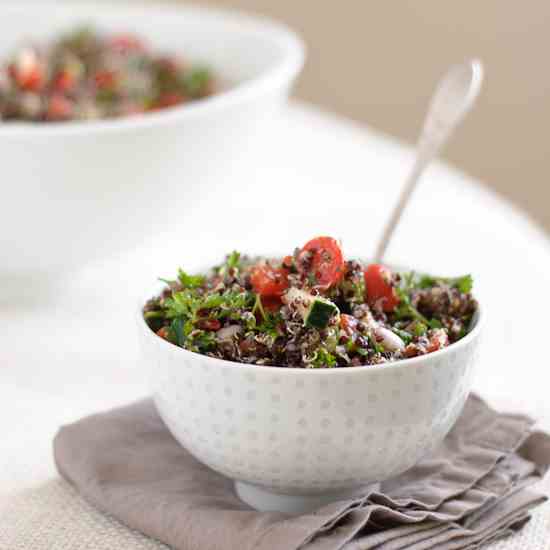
{"x": 264, "y": 500}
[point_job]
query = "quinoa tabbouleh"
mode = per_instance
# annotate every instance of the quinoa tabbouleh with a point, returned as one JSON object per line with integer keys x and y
{"x": 86, "y": 75}
{"x": 313, "y": 309}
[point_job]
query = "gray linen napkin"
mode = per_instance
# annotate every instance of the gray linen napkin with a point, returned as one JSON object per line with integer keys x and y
{"x": 473, "y": 489}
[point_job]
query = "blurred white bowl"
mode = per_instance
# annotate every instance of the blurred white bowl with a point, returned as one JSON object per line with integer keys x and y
{"x": 294, "y": 439}
{"x": 76, "y": 191}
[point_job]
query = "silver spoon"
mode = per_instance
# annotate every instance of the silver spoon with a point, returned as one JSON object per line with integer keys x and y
{"x": 454, "y": 96}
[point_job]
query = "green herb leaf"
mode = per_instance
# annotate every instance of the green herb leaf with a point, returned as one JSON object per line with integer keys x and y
{"x": 258, "y": 307}
{"x": 420, "y": 328}
{"x": 403, "y": 334}
{"x": 378, "y": 348}
{"x": 190, "y": 281}
{"x": 464, "y": 283}
{"x": 153, "y": 314}
{"x": 323, "y": 358}
{"x": 270, "y": 325}
{"x": 180, "y": 304}
{"x": 212, "y": 301}
{"x": 405, "y": 309}
{"x": 408, "y": 280}
{"x": 233, "y": 303}
{"x": 435, "y": 323}
{"x": 354, "y": 290}
{"x": 233, "y": 259}
{"x": 202, "y": 341}
{"x": 233, "y": 262}
{"x": 176, "y": 331}
{"x": 196, "y": 80}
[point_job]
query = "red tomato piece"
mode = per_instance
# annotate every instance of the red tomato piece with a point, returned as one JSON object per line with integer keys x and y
{"x": 271, "y": 303}
{"x": 327, "y": 264}
{"x": 29, "y": 78}
{"x": 287, "y": 262}
{"x": 105, "y": 79}
{"x": 59, "y": 108}
{"x": 164, "y": 332}
{"x": 268, "y": 280}
{"x": 126, "y": 42}
{"x": 169, "y": 99}
{"x": 379, "y": 287}
{"x": 64, "y": 81}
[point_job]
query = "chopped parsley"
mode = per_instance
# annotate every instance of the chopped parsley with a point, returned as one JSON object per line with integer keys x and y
{"x": 405, "y": 309}
{"x": 403, "y": 334}
{"x": 231, "y": 265}
{"x": 464, "y": 284}
{"x": 270, "y": 325}
{"x": 190, "y": 281}
{"x": 323, "y": 358}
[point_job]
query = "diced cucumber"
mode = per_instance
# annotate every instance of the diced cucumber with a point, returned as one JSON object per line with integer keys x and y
{"x": 320, "y": 313}
{"x": 314, "y": 310}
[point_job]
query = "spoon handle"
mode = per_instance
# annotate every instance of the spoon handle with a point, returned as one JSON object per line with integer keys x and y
{"x": 455, "y": 95}
{"x": 398, "y": 209}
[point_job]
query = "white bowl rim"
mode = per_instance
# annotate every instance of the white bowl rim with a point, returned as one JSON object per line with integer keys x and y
{"x": 473, "y": 334}
{"x": 286, "y": 70}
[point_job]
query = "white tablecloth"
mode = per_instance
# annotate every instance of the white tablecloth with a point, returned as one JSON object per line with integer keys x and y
{"x": 74, "y": 351}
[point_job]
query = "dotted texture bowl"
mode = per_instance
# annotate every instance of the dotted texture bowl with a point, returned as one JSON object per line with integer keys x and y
{"x": 316, "y": 434}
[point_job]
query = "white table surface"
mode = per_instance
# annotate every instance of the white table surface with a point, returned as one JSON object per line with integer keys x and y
{"x": 74, "y": 351}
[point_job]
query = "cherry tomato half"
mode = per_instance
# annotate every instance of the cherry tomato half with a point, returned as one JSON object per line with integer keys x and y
{"x": 64, "y": 81}
{"x": 271, "y": 303}
{"x": 379, "y": 288}
{"x": 59, "y": 107}
{"x": 327, "y": 264}
{"x": 29, "y": 78}
{"x": 268, "y": 280}
{"x": 105, "y": 79}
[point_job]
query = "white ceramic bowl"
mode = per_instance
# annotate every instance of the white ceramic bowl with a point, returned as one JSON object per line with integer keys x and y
{"x": 293, "y": 439}
{"x": 75, "y": 191}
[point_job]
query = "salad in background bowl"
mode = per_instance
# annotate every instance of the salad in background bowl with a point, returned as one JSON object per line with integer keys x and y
{"x": 85, "y": 74}
{"x": 86, "y": 189}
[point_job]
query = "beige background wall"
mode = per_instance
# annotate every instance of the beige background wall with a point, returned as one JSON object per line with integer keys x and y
{"x": 377, "y": 61}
